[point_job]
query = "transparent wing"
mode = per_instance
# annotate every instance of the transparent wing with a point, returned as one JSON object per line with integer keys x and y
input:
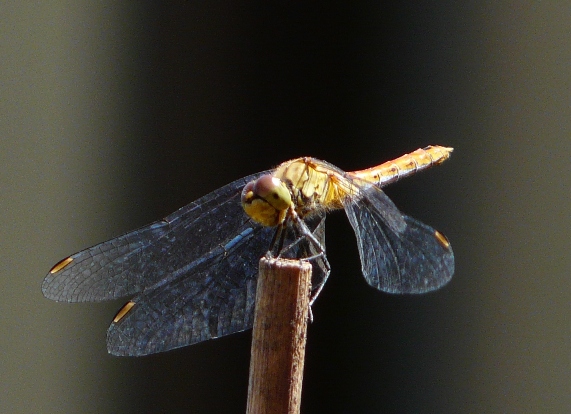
{"x": 129, "y": 263}
{"x": 395, "y": 259}
{"x": 206, "y": 299}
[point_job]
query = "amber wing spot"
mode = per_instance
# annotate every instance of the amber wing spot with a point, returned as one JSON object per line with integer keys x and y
{"x": 441, "y": 239}
{"x": 123, "y": 311}
{"x": 60, "y": 265}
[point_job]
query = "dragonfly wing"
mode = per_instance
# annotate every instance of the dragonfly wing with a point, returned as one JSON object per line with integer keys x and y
{"x": 386, "y": 209}
{"x": 414, "y": 259}
{"x": 129, "y": 263}
{"x": 212, "y": 297}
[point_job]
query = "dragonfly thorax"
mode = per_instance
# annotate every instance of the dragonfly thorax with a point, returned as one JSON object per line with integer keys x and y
{"x": 315, "y": 185}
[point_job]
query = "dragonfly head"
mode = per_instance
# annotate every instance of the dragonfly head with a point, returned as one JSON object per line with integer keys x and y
{"x": 266, "y": 200}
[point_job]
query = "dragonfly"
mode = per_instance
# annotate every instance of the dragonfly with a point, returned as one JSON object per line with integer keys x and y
{"x": 192, "y": 275}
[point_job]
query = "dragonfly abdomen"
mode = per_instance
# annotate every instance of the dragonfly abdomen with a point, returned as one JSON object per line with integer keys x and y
{"x": 404, "y": 166}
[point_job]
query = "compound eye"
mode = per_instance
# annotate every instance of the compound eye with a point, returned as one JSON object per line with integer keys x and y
{"x": 248, "y": 193}
{"x": 273, "y": 191}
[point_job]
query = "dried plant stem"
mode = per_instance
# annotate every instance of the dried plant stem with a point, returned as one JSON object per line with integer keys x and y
{"x": 279, "y": 336}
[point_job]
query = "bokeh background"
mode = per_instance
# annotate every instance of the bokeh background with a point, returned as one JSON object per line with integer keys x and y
{"x": 113, "y": 115}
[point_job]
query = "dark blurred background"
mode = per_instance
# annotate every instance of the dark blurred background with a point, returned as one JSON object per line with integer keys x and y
{"x": 114, "y": 115}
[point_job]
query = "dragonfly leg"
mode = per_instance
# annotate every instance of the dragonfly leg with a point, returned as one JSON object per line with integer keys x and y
{"x": 303, "y": 232}
{"x": 321, "y": 254}
{"x": 307, "y": 233}
{"x": 279, "y": 237}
